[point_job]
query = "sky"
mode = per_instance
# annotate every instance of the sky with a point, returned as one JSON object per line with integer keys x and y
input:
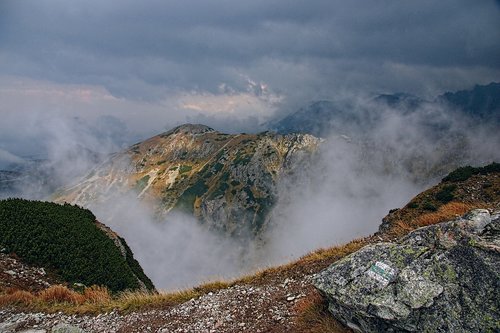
{"x": 125, "y": 70}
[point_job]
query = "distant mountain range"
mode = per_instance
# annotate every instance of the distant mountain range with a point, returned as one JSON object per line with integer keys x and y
{"x": 481, "y": 103}
{"x": 321, "y": 118}
{"x": 38, "y": 178}
{"x": 421, "y": 138}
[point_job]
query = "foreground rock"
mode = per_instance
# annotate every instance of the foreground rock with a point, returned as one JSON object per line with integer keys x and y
{"x": 442, "y": 278}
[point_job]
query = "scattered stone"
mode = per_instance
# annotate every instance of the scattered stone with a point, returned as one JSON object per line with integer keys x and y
{"x": 8, "y": 327}
{"x": 66, "y": 328}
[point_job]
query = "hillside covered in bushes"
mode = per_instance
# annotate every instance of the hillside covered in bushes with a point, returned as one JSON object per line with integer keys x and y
{"x": 67, "y": 240}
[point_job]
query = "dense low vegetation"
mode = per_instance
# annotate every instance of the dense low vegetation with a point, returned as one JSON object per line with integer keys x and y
{"x": 464, "y": 173}
{"x": 65, "y": 239}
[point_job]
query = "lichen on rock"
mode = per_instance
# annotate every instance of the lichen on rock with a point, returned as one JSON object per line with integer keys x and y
{"x": 441, "y": 278}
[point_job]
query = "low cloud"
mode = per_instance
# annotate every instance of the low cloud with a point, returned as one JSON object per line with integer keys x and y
{"x": 357, "y": 176}
{"x": 354, "y": 181}
{"x": 177, "y": 252}
{"x": 7, "y": 158}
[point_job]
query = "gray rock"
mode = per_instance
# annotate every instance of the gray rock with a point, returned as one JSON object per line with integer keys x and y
{"x": 66, "y": 328}
{"x": 479, "y": 219}
{"x": 441, "y": 278}
{"x": 9, "y": 326}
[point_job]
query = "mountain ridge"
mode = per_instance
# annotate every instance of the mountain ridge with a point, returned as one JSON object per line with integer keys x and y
{"x": 228, "y": 181}
{"x": 319, "y": 118}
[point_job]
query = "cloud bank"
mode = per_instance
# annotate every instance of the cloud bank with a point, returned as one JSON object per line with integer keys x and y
{"x": 154, "y": 64}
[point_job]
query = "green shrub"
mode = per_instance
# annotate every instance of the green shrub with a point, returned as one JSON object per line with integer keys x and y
{"x": 65, "y": 239}
{"x": 185, "y": 168}
{"x": 460, "y": 174}
{"x": 429, "y": 206}
{"x": 445, "y": 195}
{"x": 490, "y": 168}
{"x": 142, "y": 183}
{"x": 412, "y": 205}
{"x": 464, "y": 173}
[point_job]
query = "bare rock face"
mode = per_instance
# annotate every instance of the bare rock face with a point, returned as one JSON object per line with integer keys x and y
{"x": 441, "y": 278}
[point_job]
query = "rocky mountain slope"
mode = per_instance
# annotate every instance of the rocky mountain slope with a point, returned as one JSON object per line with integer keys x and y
{"x": 283, "y": 299}
{"x": 226, "y": 181}
{"x": 16, "y": 274}
{"x": 482, "y": 103}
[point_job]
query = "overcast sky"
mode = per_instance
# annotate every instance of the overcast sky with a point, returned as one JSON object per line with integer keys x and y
{"x": 143, "y": 66}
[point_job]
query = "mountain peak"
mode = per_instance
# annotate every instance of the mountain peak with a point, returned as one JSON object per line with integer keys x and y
{"x": 197, "y": 170}
{"x": 192, "y": 129}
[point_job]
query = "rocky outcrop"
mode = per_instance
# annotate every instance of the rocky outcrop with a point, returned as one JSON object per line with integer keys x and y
{"x": 228, "y": 181}
{"x": 441, "y": 278}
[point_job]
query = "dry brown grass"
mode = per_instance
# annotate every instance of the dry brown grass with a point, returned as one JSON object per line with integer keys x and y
{"x": 446, "y": 212}
{"x": 335, "y": 252}
{"x": 401, "y": 227}
{"x": 130, "y": 301}
{"x": 60, "y": 294}
{"x": 313, "y": 316}
{"x": 16, "y": 297}
{"x": 212, "y": 286}
{"x": 97, "y": 294}
{"x": 97, "y": 299}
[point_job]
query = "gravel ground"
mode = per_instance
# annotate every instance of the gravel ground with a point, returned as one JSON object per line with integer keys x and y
{"x": 15, "y": 274}
{"x": 241, "y": 308}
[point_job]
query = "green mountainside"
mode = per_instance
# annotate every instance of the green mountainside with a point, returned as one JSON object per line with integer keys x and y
{"x": 227, "y": 181}
{"x": 70, "y": 242}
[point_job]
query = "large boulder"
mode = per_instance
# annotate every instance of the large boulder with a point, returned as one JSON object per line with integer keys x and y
{"x": 441, "y": 278}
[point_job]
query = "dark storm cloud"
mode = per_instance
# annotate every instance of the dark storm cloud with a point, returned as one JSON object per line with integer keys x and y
{"x": 144, "y": 49}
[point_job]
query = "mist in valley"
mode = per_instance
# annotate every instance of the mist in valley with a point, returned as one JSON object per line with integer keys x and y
{"x": 82, "y": 80}
{"x": 344, "y": 190}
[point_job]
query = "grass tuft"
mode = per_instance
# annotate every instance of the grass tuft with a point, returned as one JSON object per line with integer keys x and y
{"x": 16, "y": 297}
{"x": 97, "y": 294}
{"x": 446, "y": 212}
{"x": 60, "y": 294}
{"x": 313, "y": 316}
{"x": 98, "y": 299}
